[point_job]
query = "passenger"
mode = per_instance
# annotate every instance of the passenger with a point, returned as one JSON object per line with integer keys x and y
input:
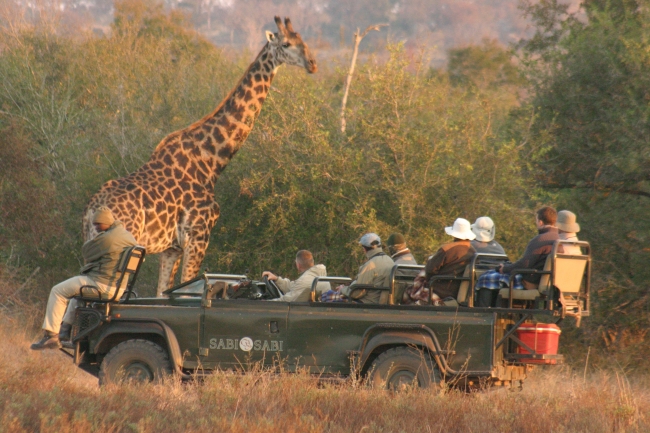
{"x": 568, "y": 229}
{"x": 484, "y": 230}
{"x": 401, "y": 255}
{"x": 451, "y": 259}
{"x": 101, "y": 257}
{"x": 374, "y": 272}
{"x": 534, "y": 257}
{"x": 300, "y": 289}
{"x": 398, "y": 251}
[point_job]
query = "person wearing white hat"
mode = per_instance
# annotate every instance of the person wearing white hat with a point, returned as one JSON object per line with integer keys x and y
{"x": 484, "y": 230}
{"x": 374, "y": 272}
{"x": 568, "y": 228}
{"x": 451, "y": 259}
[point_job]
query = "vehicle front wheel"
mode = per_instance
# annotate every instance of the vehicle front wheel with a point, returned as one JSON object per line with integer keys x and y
{"x": 403, "y": 367}
{"x": 135, "y": 361}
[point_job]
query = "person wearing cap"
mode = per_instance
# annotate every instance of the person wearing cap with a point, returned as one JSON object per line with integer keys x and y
{"x": 300, "y": 289}
{"x": 534, "y": 257}
{"x": 101, "y": 259}
{"x": 374, "y": 272}
{"x": 398, "y": 250}
{"x": 484, "y": 230}
{"x": 568, "y": 228}
{"x": 401, "y": 255}
{"x": 451, "y": 259}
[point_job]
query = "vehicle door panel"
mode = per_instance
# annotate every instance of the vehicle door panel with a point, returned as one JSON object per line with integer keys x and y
{"x": 238, "y": 332}
{"x": 321, "y": 336}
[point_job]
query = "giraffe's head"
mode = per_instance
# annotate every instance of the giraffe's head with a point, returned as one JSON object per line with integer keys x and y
{"x": 289, "y": 47}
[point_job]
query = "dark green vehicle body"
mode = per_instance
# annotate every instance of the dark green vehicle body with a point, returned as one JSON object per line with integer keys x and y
{"x": 220, "y": 321}
{"x": 202, "y": 331}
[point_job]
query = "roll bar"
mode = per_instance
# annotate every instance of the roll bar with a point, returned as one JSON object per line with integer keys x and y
{"x": 478, "y": 259}
{"x": 394, "y": 276}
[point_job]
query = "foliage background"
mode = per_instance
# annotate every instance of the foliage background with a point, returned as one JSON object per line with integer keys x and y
{"x": 563, "y": 122}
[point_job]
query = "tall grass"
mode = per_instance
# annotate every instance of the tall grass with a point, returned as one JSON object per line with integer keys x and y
{"x": 45, "y": 392}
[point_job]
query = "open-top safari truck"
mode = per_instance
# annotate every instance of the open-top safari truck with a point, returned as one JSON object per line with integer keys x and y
{"x": 223, "y": 321}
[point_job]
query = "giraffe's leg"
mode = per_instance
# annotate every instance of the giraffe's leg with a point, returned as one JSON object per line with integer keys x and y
{"x": 193, "y": 257}
{"x": 169, "y": 261}
{"x": 197, "y": 229}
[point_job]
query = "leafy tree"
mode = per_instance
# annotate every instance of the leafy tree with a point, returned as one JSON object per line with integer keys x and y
{"x": 86, "y": 109}
{"x": 588, "y": 140}
{"x": 486, "y": 66}
{"x": 418, "y": 154}
{"x": 591, "y": 95}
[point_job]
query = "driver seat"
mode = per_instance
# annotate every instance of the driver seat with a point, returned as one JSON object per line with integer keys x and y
{"x": 128, "y": 268}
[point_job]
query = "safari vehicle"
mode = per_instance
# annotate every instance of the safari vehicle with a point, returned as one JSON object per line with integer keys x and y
{"x": 223, "y": 321}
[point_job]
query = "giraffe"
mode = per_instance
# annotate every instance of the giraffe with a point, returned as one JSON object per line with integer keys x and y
{"x": 168, "y": 204}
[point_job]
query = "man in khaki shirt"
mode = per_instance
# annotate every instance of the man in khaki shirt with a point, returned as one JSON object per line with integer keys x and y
{"x": 374, "y": 272}
{"x": 102, "y": 256}
{"x": 300, "y": 289}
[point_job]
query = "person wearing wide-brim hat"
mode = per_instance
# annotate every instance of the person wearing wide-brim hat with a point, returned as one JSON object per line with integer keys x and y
{"x": 451, "y": 259}
{"x": 485, "y": 230}
{"x": 568, "y": 229}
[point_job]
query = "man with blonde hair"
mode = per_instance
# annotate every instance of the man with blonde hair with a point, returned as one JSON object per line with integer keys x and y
{"x": 101, "y": 259}
{"x": 300, "y": 289}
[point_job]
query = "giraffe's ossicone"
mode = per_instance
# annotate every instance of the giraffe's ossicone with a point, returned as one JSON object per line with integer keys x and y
{"x": 168, "y": 204}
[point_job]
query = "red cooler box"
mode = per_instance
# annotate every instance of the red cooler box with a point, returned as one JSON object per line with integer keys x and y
{"x": 542, "y": 337}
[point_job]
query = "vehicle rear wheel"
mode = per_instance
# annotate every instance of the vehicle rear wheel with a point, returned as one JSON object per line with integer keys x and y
{"x": 135, "y": 361}
{"x": 403, "y": 367}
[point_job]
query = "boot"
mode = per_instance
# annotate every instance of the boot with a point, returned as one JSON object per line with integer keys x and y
{"x": 49, "y": 341}
{"x": 65, "y": 331}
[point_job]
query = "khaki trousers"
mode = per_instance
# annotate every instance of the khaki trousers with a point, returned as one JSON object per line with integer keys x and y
{"x": 61, "y": 295}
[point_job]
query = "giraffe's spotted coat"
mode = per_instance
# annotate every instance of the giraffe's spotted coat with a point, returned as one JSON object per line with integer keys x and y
{"x": 168, "y": 204}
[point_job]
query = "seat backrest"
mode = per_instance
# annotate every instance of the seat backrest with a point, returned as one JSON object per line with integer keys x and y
{"x": 132, "y": 259}
{"x": 569, "y": 272}
{"x": 464, "y": 286}
{"x": 545, "y": 280}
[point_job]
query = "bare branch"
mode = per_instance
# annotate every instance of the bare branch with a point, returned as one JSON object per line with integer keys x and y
{"x": 357, "y": 40}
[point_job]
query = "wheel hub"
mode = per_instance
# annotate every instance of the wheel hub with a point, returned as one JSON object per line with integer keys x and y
{"x": 402, "y": 379}
{"x": 137, "y": 372}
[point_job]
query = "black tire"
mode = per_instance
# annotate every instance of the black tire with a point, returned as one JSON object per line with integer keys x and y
{"x": 138, "y": 361}
{"x": 402, "y": 367}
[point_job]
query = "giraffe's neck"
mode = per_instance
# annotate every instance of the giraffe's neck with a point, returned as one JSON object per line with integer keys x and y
{"x": 205, "y": 148}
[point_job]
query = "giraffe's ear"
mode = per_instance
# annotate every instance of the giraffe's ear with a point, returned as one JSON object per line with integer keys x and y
{"x": 270, "y": 36}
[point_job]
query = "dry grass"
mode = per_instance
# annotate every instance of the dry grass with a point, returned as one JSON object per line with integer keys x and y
{"x": 44, "y": 392}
